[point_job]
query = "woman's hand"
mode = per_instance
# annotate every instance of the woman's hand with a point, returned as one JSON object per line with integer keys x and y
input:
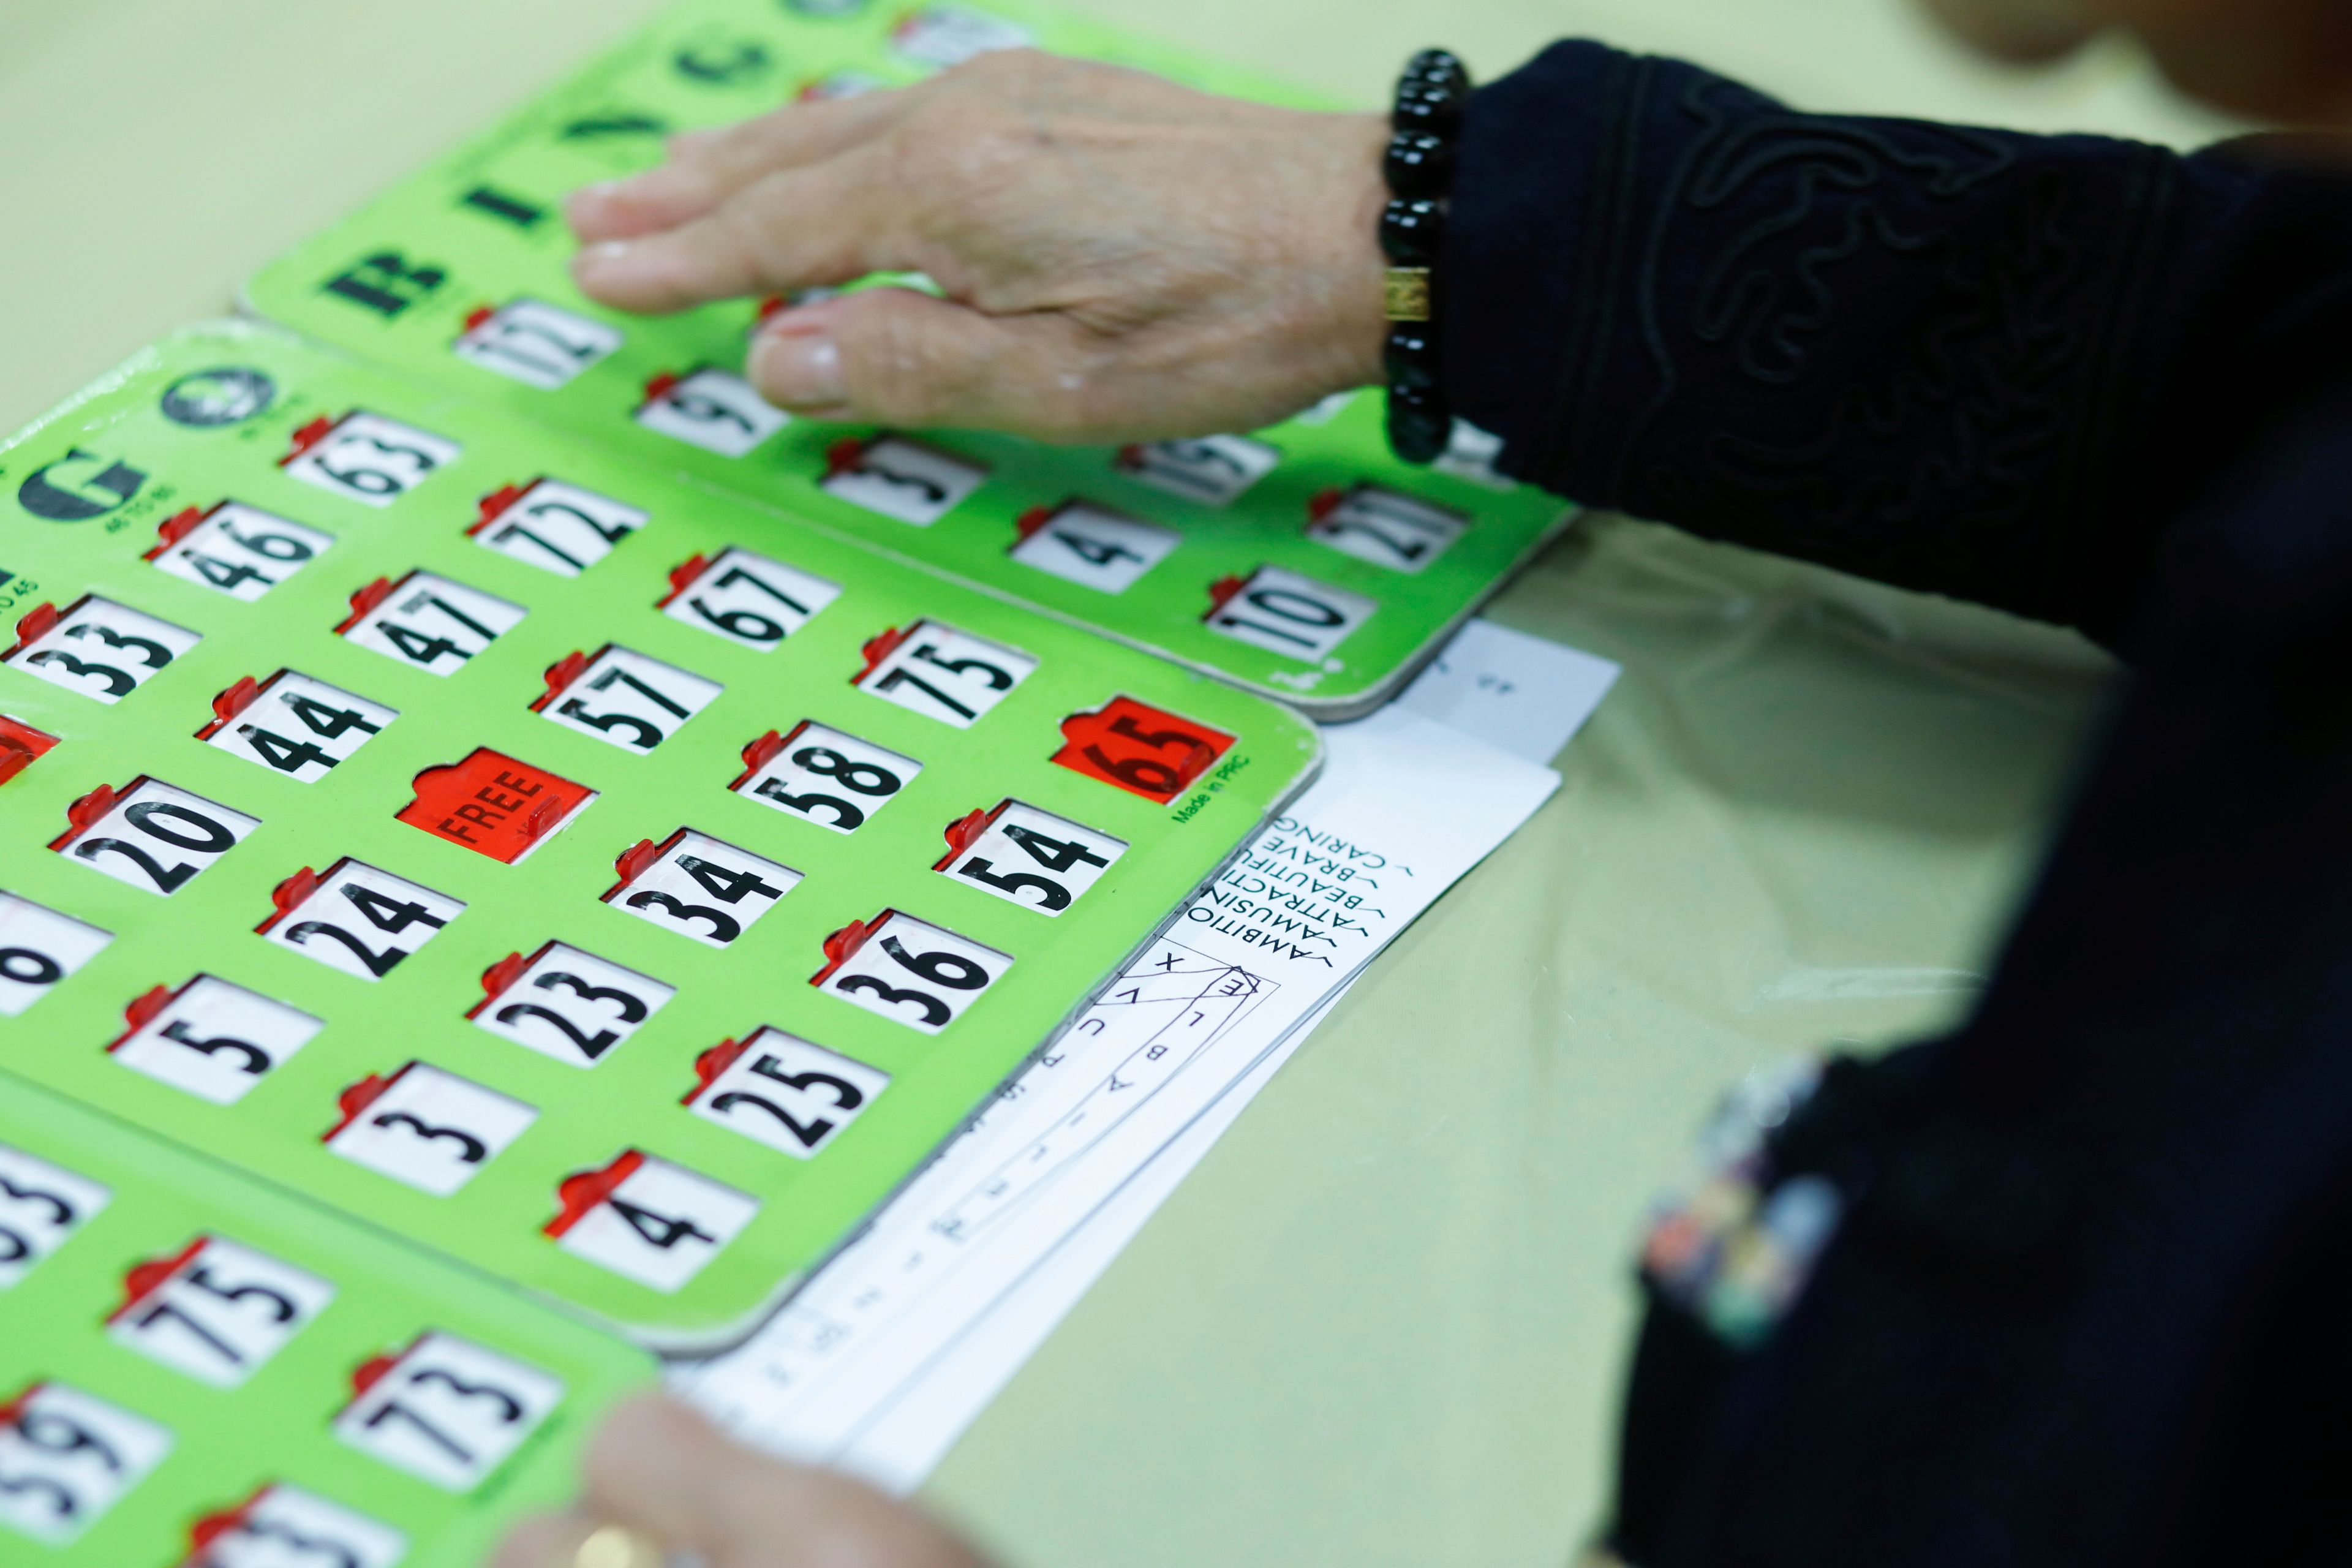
{"x": 1123, "y": 258}
{"x": 662, "y": 1478}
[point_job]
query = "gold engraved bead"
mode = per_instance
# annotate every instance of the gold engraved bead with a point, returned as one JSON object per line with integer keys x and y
{"x": 1406, "y": 289}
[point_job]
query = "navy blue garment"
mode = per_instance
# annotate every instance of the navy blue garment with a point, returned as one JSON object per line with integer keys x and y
{"x": 2093, "y": 1300}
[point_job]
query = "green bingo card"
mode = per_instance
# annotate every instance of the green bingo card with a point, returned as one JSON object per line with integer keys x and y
{"x": 388, "y": 1410}
{"x": 615, "y": 886}
{"x": 1302, "y": 560}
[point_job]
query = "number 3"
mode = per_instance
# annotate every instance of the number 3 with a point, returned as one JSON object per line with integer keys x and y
{"x": 471, "y": 1151}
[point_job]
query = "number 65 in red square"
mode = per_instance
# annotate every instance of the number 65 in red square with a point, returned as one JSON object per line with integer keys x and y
{"x": 1141, "y": 749}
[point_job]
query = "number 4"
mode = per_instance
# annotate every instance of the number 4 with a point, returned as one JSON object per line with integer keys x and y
{"x": 659, "y": 1230}
{"x": 723, "y": 884}
{"x": 389, "y": 914}
{"x": 286, "y": 756}
{"x": 1054, "y": 854}
{"x": 648, "y": 1220}
{"x": 327, "y": 722}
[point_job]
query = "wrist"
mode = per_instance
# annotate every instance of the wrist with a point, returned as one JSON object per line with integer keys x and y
{"x": 1355, "y": 324}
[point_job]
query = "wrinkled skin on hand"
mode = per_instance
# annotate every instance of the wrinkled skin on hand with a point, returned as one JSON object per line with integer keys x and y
{"x": 659, "y": 1469}
{"x": 1122, "y": 258}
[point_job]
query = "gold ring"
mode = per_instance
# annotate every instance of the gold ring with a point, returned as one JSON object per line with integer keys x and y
{"x": 610, "y": 1546}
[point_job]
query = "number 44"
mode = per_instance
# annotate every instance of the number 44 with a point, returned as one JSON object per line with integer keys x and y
{"x": 293, "y": 724}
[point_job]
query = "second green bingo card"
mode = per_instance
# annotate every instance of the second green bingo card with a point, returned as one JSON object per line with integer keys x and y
{"x": 1301, "y": 560}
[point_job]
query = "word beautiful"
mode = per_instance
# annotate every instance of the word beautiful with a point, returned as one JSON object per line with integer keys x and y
{"x": 1296, "y": 888}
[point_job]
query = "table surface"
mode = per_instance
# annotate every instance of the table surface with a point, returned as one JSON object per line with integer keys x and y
{"x": 1384, "y": 1322}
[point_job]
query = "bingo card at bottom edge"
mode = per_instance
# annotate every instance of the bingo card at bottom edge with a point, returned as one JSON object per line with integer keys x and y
{"x": 201, "y": 1370}
{"x": 614, "y": 886}
{"x": 1302, "y": 560}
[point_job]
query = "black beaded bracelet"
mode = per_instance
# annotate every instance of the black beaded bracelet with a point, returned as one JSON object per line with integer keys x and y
{"x": 1419, "y": 167}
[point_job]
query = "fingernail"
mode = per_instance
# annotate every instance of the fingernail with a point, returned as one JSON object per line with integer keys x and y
{"x": 610, "y": 1546}
{"x": 587, "y": 204}
{"x": 799, "y": 370}
{"x": 603, "y": 254}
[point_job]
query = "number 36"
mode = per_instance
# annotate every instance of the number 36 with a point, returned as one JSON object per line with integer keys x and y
{"x": 918, "y": 973}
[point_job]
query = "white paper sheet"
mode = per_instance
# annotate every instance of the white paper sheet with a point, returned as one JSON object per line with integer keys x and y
{"x": 880, "y": 1362}
{"x": 1512, "y": 690}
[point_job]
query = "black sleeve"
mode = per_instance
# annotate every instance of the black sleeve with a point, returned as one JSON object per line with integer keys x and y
{"x": 2086, "y": 1303}
{"x": 1989, "y": 365}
